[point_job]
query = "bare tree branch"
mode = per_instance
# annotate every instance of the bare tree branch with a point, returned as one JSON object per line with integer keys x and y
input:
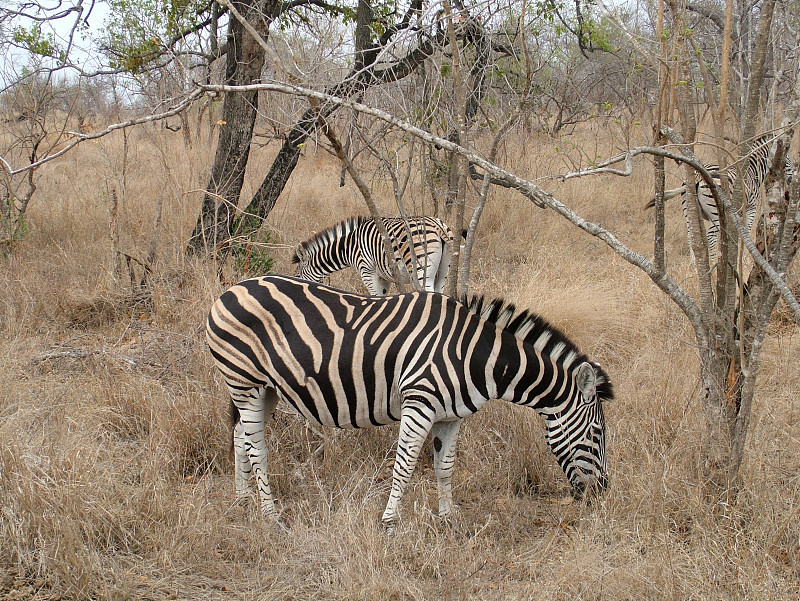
{"x": 710, "y": 13}
{"x": 79, "y": 137}
{"x": 525, "y": 187}
{"x": 400, "y": 275}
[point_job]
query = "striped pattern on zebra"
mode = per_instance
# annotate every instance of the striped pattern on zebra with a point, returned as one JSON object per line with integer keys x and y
{"x": 357, "y": 242}
{"x": 755, "y": 173}
{"x": 424, "y": 359}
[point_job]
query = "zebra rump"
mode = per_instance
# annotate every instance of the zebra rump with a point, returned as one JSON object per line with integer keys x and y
{"x": 423, "y": 359}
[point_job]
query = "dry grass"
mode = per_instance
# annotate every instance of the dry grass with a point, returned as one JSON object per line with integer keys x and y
{"x": 114, "y": 476}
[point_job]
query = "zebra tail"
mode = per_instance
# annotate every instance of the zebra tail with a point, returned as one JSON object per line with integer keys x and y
{"x": 667, "y": 195}
{"x": 234, "y": 415}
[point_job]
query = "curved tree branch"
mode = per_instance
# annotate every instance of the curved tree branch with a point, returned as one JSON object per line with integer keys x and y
{"x": 79, "y": 137}
{"x": 706, "y": 11}
{"x": 544, "y": 199}
{"x": 525, "y": 187}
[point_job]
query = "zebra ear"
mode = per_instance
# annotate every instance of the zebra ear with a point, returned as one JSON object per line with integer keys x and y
{"x": 586, "y": 379}
{"x": 301, "y": 253}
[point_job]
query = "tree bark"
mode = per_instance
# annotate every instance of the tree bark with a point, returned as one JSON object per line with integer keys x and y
{"x": 244, "y": 62}
{"x": 741, "y": 313}
{"x": 363, "y": 75}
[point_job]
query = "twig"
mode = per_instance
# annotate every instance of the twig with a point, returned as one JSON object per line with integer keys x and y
{"x": 83, "y": 352}
{"x": 603, "y": 168}
{"x": 82, "y": 137}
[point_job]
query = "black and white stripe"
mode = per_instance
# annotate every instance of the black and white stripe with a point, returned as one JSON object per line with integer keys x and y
{"x": 755, "y": 173}
{"x": 423, "y": 359}
{"x": 357, "y": 242}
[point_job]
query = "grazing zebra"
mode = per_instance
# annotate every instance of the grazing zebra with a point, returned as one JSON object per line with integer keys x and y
{"x": 358, "y": 242}
{"x": 423, "y": 359}
{"x": 755, "y": 173}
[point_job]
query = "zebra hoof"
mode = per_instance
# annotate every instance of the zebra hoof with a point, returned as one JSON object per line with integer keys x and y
{"x": 244, "y": 499}
{"x": 448, "y": 510}
{"x": 450, "y": 522}
{"x": 274, "y": 522}
{"x": 390, "y": 527}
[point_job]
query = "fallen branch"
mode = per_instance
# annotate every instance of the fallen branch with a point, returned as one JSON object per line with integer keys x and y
{"x": 83, "y": 352}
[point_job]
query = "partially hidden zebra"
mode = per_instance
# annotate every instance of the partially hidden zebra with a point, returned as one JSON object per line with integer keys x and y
{"x": 357, "y": 242}
{"x": 755, "y": 172}
{"x": 422, "y": 359}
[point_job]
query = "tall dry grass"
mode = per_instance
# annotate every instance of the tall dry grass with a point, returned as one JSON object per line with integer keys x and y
{"x": 115, "y": 481}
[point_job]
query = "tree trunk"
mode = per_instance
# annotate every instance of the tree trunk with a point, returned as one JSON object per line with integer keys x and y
{"x": 362, "y": 76}
{"x": 245, "y": 60}
{"x": 738, "y": 318}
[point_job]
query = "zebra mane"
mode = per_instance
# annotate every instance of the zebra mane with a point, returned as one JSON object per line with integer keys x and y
{"x": 331, "y": 234}
{"x": 529, "y": 327}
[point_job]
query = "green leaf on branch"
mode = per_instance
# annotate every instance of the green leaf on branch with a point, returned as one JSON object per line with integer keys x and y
{"x": 249, "y": 247}
{"x": 38, "y": 43}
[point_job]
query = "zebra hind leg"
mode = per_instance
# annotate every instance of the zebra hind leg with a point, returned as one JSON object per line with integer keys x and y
{"x": 243, "y": 470}
{"x": 445, "y": 437}
{"x": 255, "y": 407}
{"x": 443, "y": 267}
{"x": 428, "y": 272}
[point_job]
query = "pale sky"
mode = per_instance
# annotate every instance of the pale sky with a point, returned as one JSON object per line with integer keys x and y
{"x": 80, "y": 52}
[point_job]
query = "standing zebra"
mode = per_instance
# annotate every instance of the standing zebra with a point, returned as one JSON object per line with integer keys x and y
{"x": 755, "y": 173}
{"x": 423, "y": 359}
{"x": 358, "y": 242}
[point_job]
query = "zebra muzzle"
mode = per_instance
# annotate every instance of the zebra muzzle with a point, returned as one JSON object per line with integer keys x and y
{"x": 588, "y": 488}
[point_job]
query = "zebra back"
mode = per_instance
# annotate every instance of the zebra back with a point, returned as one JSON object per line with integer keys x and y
{"x": 423, "y": 247}
{"x": 754, "y": 174}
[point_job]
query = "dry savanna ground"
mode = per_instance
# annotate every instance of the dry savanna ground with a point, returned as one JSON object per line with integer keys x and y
{"x": 115, "y": 481}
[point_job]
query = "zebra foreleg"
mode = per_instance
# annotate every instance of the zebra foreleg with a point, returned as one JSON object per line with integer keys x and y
{"x": 377, "y": 285}
{"x": 415, "y": 424}
{"x": 445, "y": 437}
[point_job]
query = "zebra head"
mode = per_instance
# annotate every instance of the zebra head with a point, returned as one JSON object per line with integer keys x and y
{"x": 576, "y": 429}
{"x": 301, "y": 258}
{"x": 564, "y": 387}
{"x": 327, "y": 251}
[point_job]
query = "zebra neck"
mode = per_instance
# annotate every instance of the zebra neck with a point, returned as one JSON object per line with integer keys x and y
{"x": 545, "y": 376}
{"x": 336, "y": 253}
{"x": 507, "y": 368}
